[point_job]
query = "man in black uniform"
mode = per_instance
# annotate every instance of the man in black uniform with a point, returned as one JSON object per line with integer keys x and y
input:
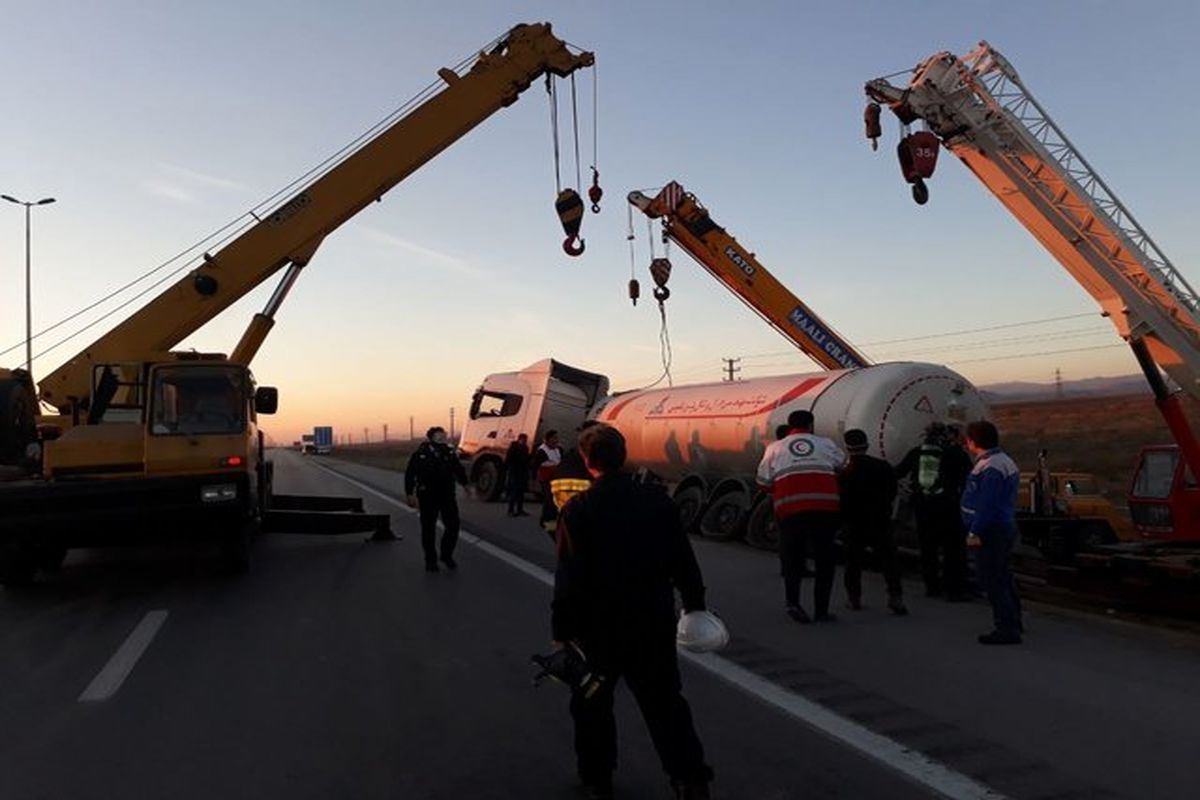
{"x": 868, "y": 490}
{"x": 570, "y": 478}
{"x": 621, "y": 555}
{"x": 429, "y": 485}
{"x": 516, "y": 473}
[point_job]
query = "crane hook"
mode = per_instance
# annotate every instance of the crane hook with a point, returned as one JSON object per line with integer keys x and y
{"x": 595, "y": 192}
{"x": 874, "y": 129}
{"x": 573, "y": 245}
{"x": 635, "y": 290}
{"x": 661, "y": 293}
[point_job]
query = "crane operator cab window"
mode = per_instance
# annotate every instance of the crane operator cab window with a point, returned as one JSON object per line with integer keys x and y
{"x": 192, "y": 400}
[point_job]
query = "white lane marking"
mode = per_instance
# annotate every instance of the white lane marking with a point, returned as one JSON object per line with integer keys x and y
{"x": 913, "y": 764}
{"x": 109, "y": 679}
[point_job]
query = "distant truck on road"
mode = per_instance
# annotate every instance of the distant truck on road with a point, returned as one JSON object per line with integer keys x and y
{"x": 323, "y": 440}
{"x": 306, "y": 444}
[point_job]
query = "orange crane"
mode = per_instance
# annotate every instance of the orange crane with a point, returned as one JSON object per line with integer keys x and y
{"x": 978, "y": 108}
{"x": 687, "y": 223}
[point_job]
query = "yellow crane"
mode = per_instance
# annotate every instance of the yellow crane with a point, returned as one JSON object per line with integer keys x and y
{"x": 150, "y": 438}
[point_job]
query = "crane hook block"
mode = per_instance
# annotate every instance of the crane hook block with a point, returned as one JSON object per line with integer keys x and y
{"x": 573, "y": 246}
{"x": 635, "y": 290}
{"x": 660, "y": 270}
{"x": 874, "y": 129}
{"x": 661, "y": 293}
{"x": 918, "y": 154}
{"x": 595, "y": 192}
{"x": 570, "y": 211}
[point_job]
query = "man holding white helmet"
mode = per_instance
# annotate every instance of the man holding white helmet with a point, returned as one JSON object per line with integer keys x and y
{"x": 622, "y": 553}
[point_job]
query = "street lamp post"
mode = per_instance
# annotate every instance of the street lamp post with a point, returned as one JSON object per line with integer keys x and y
{"x": 28, "y": 293}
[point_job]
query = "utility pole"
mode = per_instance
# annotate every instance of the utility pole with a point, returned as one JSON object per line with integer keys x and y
{"x": 366, "y": 437}
{"x": 412, "y": 434}
{"x": 731, "y": 369}
{"x": 28, "y": 292}
{"x": 452, "y": 424}
{"x": 1058, "y": 385}
{"x": 385, "y": 433}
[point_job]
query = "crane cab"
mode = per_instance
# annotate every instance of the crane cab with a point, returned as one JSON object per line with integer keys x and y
{"x": 1164, "y": 499}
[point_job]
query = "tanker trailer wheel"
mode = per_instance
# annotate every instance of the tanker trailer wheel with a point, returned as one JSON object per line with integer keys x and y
{"x": 725, "y": 517}
{"x": 762, "y": 531}
{"x": 486, "y": 479}
{"x": 689, "y": 501}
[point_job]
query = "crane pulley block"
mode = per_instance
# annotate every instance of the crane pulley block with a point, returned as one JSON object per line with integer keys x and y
{"x": 569, "y": 206}
{"x": 918, "y": 154}
{"x": 873, "y": 126}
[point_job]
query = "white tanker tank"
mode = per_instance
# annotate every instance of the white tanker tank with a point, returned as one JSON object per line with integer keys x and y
{"x": 706, "y": 440}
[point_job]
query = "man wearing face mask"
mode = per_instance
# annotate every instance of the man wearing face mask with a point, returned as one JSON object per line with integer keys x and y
{"x": 429, "y": 485}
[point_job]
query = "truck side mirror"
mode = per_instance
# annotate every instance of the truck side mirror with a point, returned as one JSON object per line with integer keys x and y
{"x": 266, "y": 400}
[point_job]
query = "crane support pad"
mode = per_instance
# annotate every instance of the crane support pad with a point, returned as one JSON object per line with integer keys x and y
{"x": 323, "y": 523}
{"x": 302, "y": 502}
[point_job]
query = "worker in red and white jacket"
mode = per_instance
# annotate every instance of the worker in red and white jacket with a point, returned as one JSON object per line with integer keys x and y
{"x": 800, "y": 473}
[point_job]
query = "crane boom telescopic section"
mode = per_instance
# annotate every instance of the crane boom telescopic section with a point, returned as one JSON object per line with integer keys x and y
{"x": 689, "y": 225}
{"x": 981, "y": 111}
{"x": 290, "y": 234}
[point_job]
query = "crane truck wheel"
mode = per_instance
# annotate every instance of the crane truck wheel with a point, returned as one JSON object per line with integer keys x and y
{"x": 237, "y": 545}
{"x": 486, "y": 480}
{"x": 689, "y": 501}
{"x": 725, "y": 518}
{"x": 762, "y": 532}
{"x": 18, "y": 564}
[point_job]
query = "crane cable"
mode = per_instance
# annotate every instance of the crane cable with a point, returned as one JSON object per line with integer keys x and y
{"x": 239, "y": 224}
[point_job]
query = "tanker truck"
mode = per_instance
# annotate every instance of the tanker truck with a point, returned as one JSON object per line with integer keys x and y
{"x": 705, "y": 440}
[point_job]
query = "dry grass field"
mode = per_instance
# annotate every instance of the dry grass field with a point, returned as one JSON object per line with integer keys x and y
{"x": 1100, "y": 435}
{"x": 385, "y": 455}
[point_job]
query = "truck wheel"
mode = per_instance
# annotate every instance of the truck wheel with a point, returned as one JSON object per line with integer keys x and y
{"x": 237, "y": 546}
{"x": 487, "y": 480}
{"x": 50, "y": 558}
{"x": 725, "y": 518}
{"x": 18, "y": 565}
{"x": 689, "y": 501}
{"x": 762, "y": 531}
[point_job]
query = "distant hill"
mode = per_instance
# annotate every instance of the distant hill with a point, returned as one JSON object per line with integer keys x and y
{"x": 1085, "y": 387}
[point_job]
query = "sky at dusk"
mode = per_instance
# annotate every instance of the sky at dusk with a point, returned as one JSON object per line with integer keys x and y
{"x": 155, "y": 124}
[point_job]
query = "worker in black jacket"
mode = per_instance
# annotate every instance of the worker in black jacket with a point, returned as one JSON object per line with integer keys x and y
{"x": 429, "y": 482}
{"x": 868, "y": 489}
{"x": 621, "y": 555}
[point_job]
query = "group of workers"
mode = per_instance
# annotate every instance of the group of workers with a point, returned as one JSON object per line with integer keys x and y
{"x": 622, "y": 553}
{"x": 964, "y": 495}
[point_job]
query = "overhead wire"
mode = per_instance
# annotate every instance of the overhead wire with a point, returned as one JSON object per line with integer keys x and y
{"x": 247, "y": 219}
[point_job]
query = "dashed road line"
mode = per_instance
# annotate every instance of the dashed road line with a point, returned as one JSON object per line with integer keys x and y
{"x": 109, "y": 679}
{"x": 911, "y": 763}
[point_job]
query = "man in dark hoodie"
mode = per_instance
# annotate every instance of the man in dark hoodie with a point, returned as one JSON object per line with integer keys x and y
{"x": 429, "y": 482}
{"x": 621, "y": 555}
{"x": 868, "y": 490}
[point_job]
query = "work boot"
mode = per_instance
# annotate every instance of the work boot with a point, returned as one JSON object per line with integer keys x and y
{"x": 798, "y": 614}
{"x": 449, "y": 562}
{"x": 896, "y": 605}
{"x": 597, "y": 790}
{"x": 431, "y": 566}
{"x": 690, "y": 791}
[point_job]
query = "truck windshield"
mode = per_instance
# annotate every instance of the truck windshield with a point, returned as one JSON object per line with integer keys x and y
{"x": 1155, "y": 474}
{"x": 191, "y": 400}
{"x": 495, "y": 404}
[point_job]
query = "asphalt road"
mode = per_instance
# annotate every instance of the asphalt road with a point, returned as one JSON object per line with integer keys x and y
{"x": 340, "y": 669}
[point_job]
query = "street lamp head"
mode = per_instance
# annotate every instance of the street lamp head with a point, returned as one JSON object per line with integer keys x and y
{"x": 45, "y": 201}
{"x": 10, "y": 199}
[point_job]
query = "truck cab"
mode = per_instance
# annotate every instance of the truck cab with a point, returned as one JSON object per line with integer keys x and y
{"x": 1164, "y": 498}
{"x": 545, "y": 396}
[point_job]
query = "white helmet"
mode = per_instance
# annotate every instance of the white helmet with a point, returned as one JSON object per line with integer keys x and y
{"x": 701, "y": 632}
